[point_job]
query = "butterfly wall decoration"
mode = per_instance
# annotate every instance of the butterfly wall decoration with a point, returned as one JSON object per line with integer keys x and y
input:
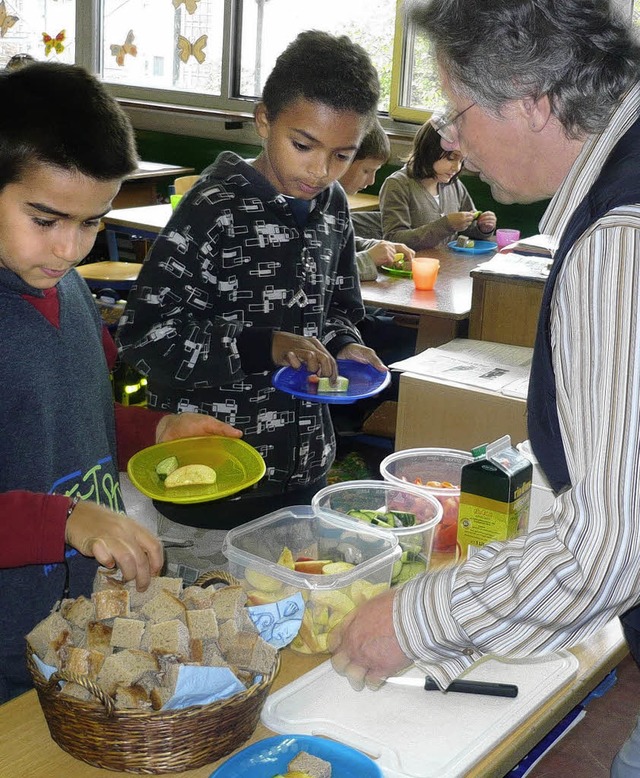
{"x": 6, "y": 20}
{"x": 190, "y": 5}
{"x": 54, "y": 44}
{"x": 128, "y": 47}
{"x": 187, "y": 49}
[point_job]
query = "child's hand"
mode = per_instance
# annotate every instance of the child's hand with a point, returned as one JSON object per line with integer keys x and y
{"x": 363, "y": 354}
{"x": 460, "y": 220}
{"x": 296, "y": 350}
{"x": 400, "y": 248}
{"x": 192, "y": 425}
{"x": 487, "y": 222}
{"x": 383, "y": 253}
{"x": 115, "y": 541}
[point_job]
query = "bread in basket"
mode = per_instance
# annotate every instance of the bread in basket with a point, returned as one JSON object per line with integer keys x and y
{"x": 91, "y": 715}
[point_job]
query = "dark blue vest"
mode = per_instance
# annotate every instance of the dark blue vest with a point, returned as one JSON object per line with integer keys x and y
{"x": 618, "y": 184}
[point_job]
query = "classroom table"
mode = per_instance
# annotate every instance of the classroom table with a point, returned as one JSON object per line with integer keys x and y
{"x": 443, "y": 313}
{"x": 147, "y": 221}
{"x": 141, "y": 186}
{"x": 27, "y": 750}
{"x": 505, "y": 308}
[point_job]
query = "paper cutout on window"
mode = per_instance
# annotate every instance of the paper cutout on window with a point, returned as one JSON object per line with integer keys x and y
{"x": 54, "y": 44}
{"x": 6, "y": 20}
{"x": 190, "y": 5}
{"x": 127, "y": 47}
{"x": 187, "y": 49}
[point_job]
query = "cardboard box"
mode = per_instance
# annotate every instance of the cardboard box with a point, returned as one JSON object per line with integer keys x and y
{"x": 495, "y": 492}
{"x": 436, "y": 413}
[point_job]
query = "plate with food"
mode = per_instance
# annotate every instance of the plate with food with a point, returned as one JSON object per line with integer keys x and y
{"x": 356, "y": 381}
{"x": 286, "y": 756}
{"x": 401, "y": 266}
{"x": 192, "y": 470}
{"x": 469, "y": 246}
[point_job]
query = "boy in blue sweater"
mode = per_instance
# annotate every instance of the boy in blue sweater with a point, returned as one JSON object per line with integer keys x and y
{"x": 256, "y": 269}
{"x": 62, "y": 444}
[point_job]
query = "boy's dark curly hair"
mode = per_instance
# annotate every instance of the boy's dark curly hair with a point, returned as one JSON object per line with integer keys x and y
{"x": 326, "y": 69}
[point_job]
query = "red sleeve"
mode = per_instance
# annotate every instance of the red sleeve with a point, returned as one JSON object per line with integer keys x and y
{"x": 135, "y": 430}
{"x": 32, "y": 528}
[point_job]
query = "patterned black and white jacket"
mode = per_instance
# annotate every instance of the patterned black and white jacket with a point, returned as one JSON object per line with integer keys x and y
{"x": 232, "y": 266}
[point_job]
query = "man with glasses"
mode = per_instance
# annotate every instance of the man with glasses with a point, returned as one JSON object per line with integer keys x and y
{"x": 547, "y": 108}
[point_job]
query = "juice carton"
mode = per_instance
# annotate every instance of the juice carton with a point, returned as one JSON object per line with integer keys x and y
{"x": 495, "y": 491}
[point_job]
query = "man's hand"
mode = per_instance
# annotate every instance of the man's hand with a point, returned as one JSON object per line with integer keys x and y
{"x": 296, "y": 350}
{"x": 115, "y": 541}
{"x": 363, "y": 354}
{"x": 364, "y": 645}
{"x": 192, "y": 425}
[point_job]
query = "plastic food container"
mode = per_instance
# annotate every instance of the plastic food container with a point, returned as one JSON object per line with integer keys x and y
{"x": 367, "y": 554}
{"x": 387, "y": 503}
{"x": 419, "y": 466}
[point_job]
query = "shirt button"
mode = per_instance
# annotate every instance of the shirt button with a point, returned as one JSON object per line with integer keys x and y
{"x": 468, "y": 651}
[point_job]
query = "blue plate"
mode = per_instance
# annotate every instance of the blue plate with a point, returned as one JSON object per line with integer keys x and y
{"x": 271, "y": 756}
{"x": 481, "y": 247}
{"x": 364, "y": 381}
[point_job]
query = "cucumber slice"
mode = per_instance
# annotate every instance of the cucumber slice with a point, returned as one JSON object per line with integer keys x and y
{"x": 402, "y": 518}
{"x": 166, "y": 466}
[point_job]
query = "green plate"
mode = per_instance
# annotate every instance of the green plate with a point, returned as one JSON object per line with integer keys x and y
{"x": 394, "y": 271}
{"x": 237, "y": 465}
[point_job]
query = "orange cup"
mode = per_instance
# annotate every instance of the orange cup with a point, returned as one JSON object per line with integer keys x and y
{"x": 425, "y": 271}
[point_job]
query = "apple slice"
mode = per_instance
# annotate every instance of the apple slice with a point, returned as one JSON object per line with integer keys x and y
{"x": 334, "y": 568}
{"x": 314, "y": 566}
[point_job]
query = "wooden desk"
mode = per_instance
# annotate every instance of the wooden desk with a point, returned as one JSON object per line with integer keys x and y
{"x": 26, "y": 748}
{"x": 363, "y": 202}
{"x": 443, "y": 313}
{"x": 504, "y": 309}
{"x": 140, "y": 188}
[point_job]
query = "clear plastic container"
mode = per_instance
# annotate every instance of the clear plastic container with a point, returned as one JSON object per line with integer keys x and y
{"x": 364, "y": 497}
{"x": 418, "y": 466}
{"x": 368, "y": 554}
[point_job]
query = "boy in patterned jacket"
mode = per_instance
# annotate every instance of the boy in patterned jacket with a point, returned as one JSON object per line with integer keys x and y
{"x": 255, "y": 270}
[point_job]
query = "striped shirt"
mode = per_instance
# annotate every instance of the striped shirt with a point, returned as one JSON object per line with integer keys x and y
{"x": 577, "y": 569}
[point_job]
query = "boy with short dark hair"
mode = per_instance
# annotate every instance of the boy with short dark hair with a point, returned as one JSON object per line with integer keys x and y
{"x": 372, "y": 251}
{"x": 255, "y": 270}
{"x": 59, "y": 172}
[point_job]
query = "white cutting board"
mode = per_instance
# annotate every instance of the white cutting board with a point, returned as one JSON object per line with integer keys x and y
{"x": 412, "y": 733}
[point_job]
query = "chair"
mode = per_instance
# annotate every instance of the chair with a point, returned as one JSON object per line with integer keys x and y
{"x": 182, "y": 184}
{"x": 115, "y": 275}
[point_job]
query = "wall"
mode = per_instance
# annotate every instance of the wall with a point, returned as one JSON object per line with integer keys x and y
{"x": 199, "y": 152}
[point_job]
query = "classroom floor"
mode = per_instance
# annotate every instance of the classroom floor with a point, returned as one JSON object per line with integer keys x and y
{"x": 589, "y": 748}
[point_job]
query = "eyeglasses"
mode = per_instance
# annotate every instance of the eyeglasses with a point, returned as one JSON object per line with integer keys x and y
{"x": 445, "y": 123}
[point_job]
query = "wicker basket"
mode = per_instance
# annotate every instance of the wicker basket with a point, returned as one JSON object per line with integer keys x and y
{"x": 148, "y": 742}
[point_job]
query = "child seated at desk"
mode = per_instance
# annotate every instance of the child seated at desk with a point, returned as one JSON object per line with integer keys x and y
{"x": 424, "y": 204}
{"x": 371, "y": 250}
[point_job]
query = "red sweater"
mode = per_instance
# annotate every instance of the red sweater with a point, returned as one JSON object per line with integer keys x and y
{"x": 32, "y": 527}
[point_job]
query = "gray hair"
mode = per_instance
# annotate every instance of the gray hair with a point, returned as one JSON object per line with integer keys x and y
{"x": 578, "y": 53}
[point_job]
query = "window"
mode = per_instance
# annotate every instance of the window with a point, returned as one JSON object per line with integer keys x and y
{"x": 216, "y": 54}
{"x": 44, "y": 29}
{"x": 207, "y": 53}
